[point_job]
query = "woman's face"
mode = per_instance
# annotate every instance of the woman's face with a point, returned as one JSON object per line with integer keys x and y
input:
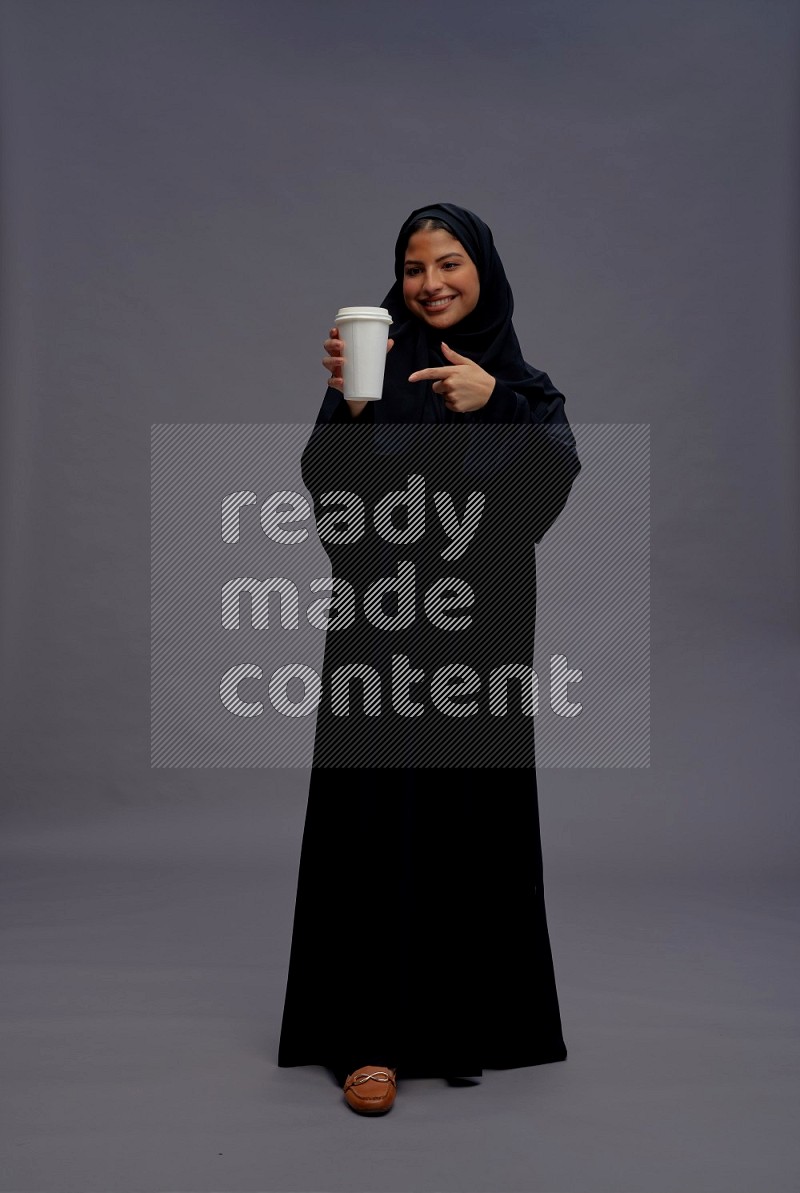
{"x": 440, "y": 281}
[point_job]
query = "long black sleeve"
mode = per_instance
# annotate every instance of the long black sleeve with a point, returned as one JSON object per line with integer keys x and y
{"x": 526, "y": 442}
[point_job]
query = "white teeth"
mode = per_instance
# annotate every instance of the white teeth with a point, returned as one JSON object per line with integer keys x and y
{"x": 439, "y": 302}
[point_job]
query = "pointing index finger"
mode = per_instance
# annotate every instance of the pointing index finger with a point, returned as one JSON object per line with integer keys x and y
{"x": 433, "y": 374}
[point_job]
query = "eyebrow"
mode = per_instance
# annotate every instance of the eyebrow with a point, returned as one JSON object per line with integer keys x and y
{"x": 444, "y": 257}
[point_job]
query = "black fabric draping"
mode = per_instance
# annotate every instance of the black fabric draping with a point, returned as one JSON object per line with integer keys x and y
{"x": 522, "y": 393}
{"x": 420, "y": 934}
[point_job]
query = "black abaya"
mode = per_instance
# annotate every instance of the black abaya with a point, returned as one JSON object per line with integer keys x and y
{"x": 420, "y": 936}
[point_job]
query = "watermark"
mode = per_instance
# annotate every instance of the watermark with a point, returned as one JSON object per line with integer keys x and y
{"x": 316, "y": 598}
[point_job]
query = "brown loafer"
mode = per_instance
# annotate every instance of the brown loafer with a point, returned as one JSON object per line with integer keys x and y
{"x": 371, "y": 1089}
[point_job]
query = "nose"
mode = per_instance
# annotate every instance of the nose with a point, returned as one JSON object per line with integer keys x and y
{"x": 433, "y": 281}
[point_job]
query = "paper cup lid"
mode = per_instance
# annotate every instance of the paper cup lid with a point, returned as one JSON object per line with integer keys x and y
{"x": 364, "y": 313}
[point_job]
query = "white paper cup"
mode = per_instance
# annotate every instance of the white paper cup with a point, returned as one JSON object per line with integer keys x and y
{"x": 364, "y": 332}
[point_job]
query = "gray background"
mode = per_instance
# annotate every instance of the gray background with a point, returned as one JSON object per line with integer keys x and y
{"x": 188, "y": 192}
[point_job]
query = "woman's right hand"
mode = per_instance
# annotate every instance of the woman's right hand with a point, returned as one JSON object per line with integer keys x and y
{"x": 333, "y": 361}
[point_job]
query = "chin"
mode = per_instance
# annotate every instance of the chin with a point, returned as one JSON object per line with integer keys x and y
{"x": 439, "y": 321}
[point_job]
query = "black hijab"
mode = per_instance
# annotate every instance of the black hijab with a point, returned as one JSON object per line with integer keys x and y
{"x": 525, "y": 394}
{"x": 486, "y": 335}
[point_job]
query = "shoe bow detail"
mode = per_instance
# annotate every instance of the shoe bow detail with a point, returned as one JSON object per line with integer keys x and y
{"x": 380, "y": 1076}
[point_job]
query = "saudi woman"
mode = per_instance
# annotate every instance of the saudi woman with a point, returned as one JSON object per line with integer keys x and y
{"x": 420, "y": 943}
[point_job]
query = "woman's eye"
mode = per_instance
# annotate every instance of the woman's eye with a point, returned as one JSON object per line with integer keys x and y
{"x": 410, "y": 272}
{"x": 451, "y": 265}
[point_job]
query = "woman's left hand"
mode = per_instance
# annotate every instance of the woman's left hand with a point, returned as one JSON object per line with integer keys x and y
{"x": 464, "y": 385}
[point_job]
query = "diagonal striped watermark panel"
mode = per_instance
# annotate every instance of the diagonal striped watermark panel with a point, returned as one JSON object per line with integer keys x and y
{"x": 462, "y": 600}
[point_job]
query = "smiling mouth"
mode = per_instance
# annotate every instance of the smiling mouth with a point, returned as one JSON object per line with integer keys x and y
{"x": 437, "y": 304}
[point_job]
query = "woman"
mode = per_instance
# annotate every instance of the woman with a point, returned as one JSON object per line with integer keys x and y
{"x": 420, "y": 939}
